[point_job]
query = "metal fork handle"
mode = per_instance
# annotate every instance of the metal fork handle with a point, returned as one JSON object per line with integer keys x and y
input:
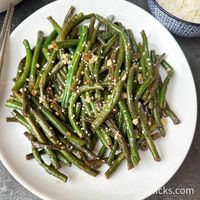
{"x": 5, "y": 33}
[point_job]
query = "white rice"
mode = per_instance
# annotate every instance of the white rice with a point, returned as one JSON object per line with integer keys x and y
{"x": 188, "y": 10}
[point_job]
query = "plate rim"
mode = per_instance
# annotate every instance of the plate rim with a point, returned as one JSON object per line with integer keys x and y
{"x": 45, "y": 196}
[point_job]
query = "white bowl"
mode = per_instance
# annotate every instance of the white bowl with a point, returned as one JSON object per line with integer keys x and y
{"x": 125, "y": 184}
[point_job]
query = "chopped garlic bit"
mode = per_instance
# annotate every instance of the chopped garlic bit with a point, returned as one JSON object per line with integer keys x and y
{"x": 164, "y": 121}
{"x": 93, "y": 59}
{"x": 109, "y": 63}
{"x": 66, "y": 59}
{"x": 135, "y": 121}
{"x": 53, "y": 45}
{"x": 124, "y": 95}
{"x": 87, "y": 56}
{"x": 140, "y": 78}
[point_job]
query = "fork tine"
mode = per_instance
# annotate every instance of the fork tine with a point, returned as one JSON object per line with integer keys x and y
{"x": 5, "y": 33}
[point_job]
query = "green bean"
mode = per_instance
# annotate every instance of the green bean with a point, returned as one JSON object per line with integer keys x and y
{"x": 70, "y": 24}
{"x": 171, "y": 114}
{"x": 35, "y": 60}
{"x": 37, "y": 83}
{"x": 21, "y": 120}
{"x": 55, "y": 24}
{"x": 26, "y": 101}
{"x": 85, "y": 128}
{"x": 35, "y": 130}
{"x": 145, "y": 41}
{"x": 119, "y": 119}
{"x": 153, "y": 56}
{"x": 49, "y": 169}
{"x": 146, "y": 54}
{"x": 61, "y": 79}
{"x": 109, "y": 44}
{"x": 57, "y": 89}
{"x": 46, "y": 53}
{"x": 57, "y": 67}
{"x": 20, "y": 69}
{"x": 130, "y": 132}
{"x": 73, "y": 99}
{"x": 79, "y": 163}
{"x": 111, "y": 69}
{"x": 142, "y": 61}
{"x": 143, "y": 87}
{"x": 47, "y": 70}
{"x": 50, "y": 134}
{"x": 18, "y": 96}
{"x": 106, "y": 35}
{"x": 91, "y": 27}
{"x": 85, "y": 151}
{"x": 151, "y": 91}
{"x": 50, "y": 38}
{"x": 63, "y": 159}
{"x": 96, "y": 71}
{"x": 101, "y": 134}
{"x": 74, "y": 66}
{"x": 14, "y": 104}
{"x": 58, "y": 124}
{"x": 67, "y": 44}
{"x": 102, "y": 151}
{"x": 157, "y": 115}
{"x": 109, "y": 104}
{"x": 155, "y": 136}
{"x": 19, "y": 84}
{"x": 86, "y": 105}
{"x": 78, "y": 109}
{"x": 93, "y": 142}
{"x": 120, "y": 59}
{"x": 82, "y": 64}
{"x": 129, "y": 91}
{"x": 147, "y": 136}
{"x": 54, "y": 104}
{"x": 74, "y": 33}
{"x": 132, "y": 40}
{"x": 121, "y": 140}
{"x": 165, "y": 84}
{"x": 41, "y": 138}
{"x": 124, "y": 39}
{"x": 94, "y": 164}
{"x": 69, "y": 15}
{"x": 91, "y": 69}
{"x": 11, "y": 119}
{"x": 101, "y": 41}
{"x": 115, "y": 165}
{"x": 30, "y": 156}
{"x": 39, "y": 145}
{"x": 111, "y": 156}
{"x": 72, "y": 149}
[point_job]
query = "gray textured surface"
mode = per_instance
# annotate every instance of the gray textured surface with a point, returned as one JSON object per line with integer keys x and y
{"x": 188, "y": 174}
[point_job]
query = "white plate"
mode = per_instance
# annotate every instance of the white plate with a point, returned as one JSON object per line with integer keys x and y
{"x": 134, "y": 184}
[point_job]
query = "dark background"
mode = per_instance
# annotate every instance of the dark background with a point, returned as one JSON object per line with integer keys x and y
{"x": 188, "y": 174}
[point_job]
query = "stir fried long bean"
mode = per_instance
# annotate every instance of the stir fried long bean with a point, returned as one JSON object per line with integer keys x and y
{"x": 88, "y": 83}
{"x": 74, "y": 66}
{"x": 21, "y": 81}
{"x": 36, "y": 54}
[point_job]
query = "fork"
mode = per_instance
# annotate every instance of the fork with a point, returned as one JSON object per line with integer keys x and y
{"x": 5, "y": 32}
